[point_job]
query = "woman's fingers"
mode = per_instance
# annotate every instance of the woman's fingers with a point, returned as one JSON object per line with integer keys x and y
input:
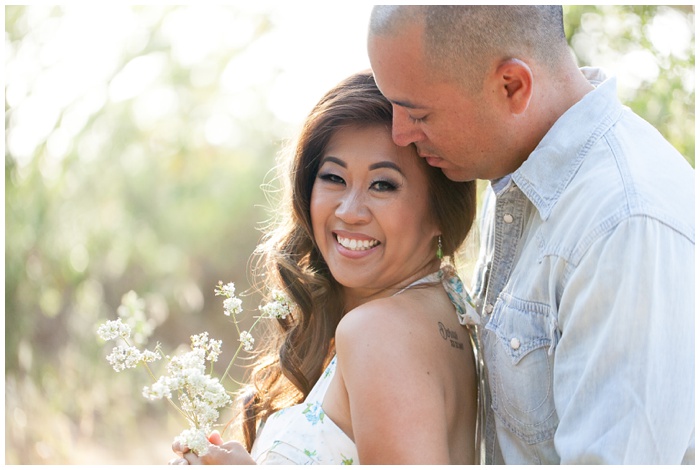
{"x": 218, "y": 453}
{"x": 179, "y": 449}
{"x": 215, "y": 438}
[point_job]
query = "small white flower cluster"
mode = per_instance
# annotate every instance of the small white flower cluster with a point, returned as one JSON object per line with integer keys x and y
{"x": 211, "y": 346}
{"x": 232, "y": 307}
{"x": 279, "y": 307}
{"x": 128, "y": 357}
{"x": 195, "y": 439}
{"x": 113, "y": 329}
{"x": 232, "y": 304}
{"x": 247, "y": 340}
{"x": 200, "y": 394}
{"x": 124, "y": 356}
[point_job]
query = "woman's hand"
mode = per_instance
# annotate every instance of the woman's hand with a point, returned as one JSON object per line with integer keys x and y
{"x": 218, "y": 453}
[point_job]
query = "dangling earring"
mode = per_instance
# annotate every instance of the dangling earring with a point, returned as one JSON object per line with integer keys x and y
{"x": 439, "y": 250}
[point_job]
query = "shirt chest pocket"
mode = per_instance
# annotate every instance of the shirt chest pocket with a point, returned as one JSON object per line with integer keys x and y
{"x": 519, "y": 335}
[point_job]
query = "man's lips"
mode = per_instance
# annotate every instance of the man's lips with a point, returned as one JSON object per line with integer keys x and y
{"x": 433, "y": 161}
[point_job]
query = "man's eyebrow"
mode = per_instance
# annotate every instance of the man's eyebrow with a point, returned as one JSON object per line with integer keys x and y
{"x": 405, "y": 104}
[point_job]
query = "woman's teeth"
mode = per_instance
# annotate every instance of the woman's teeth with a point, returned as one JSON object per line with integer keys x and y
{"x": 357, "y": 245}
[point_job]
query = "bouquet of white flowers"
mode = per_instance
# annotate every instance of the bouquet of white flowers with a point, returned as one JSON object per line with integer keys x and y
{"x": 198, "y": 394}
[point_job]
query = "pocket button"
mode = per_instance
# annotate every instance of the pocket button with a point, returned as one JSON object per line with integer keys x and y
{"x": 515, "y": 343}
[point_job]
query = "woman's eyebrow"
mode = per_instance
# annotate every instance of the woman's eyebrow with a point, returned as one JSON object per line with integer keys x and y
{"x": 385, "y": 164}
{"x": 374, "y": 166}
{"x": 332, "y": 159}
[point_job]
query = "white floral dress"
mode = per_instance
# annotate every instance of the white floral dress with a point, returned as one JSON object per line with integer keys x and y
{"x": 304, "y": 435}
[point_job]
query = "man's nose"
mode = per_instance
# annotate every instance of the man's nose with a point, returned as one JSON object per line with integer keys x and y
{"x": 404, "y": 131}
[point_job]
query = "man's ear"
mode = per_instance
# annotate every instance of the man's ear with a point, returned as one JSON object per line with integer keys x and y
{"x": 515, "y": 78}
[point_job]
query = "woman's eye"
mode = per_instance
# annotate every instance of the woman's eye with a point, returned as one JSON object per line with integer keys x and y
{"x": 383, "y": 185}
{"x": 416, "y": 120}
{"x": 331, "y": 178}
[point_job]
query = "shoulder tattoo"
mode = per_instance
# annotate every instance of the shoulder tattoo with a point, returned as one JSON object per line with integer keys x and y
{"x": 451, "y": 336}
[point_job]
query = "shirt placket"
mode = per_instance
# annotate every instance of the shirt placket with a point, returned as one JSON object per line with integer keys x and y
{"x": 507, "y": 226}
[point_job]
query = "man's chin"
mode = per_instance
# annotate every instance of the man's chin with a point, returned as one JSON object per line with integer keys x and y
{"x": 457, "y": 174}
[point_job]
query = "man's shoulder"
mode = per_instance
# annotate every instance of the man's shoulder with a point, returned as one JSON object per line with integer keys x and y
{"x": 632, "y": 171}
{"x": 629, "y": 176}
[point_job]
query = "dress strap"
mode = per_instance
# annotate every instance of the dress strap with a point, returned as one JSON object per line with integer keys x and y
{"x": 455, "y": 291}
{"x": 429, "y": 279}
{"x": 459, "y": 296}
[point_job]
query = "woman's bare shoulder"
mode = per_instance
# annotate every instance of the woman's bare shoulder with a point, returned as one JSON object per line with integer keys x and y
{"x": 407, "y": 322}
{"x": 389, "y": 312}
{"x": 393, "y": 364}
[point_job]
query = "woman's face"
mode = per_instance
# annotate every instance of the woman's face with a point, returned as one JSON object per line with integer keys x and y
{"x": 370, "y": 213}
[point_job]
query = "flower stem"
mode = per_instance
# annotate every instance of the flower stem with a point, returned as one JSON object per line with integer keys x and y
{"x": 233, "y": 359}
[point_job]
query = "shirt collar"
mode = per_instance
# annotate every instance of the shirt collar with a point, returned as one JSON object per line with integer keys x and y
{"x": 549, "y": 169}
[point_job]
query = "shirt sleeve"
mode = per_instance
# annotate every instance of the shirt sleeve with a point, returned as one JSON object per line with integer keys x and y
{"x": 624, "y": 366}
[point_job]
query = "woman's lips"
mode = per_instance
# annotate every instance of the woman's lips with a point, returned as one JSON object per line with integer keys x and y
{"x": 355, "y": 246}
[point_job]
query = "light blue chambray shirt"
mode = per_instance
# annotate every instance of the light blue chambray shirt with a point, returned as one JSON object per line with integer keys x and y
{"x": 585, "y": 286}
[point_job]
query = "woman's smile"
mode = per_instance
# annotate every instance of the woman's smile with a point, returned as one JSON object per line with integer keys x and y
{"x": 354, "y": 243}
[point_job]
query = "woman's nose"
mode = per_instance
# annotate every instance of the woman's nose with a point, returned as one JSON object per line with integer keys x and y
{"x": 352, "y": 208}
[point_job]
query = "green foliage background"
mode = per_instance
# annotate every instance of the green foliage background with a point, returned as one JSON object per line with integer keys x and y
{"x": 152, "y": 205}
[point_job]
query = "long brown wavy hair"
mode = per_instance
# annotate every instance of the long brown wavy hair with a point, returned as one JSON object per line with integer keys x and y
{"x": 299, "y": 347}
